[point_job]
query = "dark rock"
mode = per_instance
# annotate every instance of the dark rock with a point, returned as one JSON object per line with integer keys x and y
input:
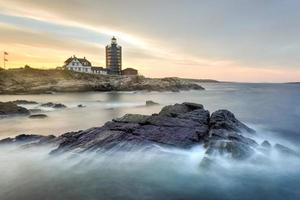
{"x": 80, "y": 106}
{"x": 181, "y": 125}
{"x": 266, "y": 144}
{"x": 285, "y": 150}
{"x": 25, "y": 139}
{"x": 6, "y": 141}
{"x": 59, "y": 105}
{"x": 151, "y": 103}
{"x": 175, "y": 110}
{"x": 235, "y": 149}
{"x": 131, "y": 130}
{"x": 225, "y": 136}
{"x": 35, "y": 110}
{"x": 207, "y": 162}
{"x": 9, "y": 108}
{"x": 225, "y": 120}
{"x": 38, "y": 116}
{"x": 54, "y": 105}
{"x": 24, "y": 102}
{"x": 49, "y": 104}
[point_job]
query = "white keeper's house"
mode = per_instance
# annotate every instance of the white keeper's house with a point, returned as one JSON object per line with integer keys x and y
{"x": 83, "y": 65}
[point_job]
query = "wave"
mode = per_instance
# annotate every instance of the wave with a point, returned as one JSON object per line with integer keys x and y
{"x": 160, "y": 173}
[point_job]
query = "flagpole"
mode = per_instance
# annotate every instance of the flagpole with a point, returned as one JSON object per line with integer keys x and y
{"x": 4, "y": 59}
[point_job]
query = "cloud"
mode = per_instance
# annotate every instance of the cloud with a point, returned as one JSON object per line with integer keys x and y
{"x": 194, "y": 35}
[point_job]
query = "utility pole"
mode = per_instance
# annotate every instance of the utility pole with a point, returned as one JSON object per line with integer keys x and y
{"x": 4, "y": 59}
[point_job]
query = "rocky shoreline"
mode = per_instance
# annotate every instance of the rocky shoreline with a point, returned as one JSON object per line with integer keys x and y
{"x": 36, "y": 81}
{"x": 180, "y": 126}
{"x": 15, "y": 108}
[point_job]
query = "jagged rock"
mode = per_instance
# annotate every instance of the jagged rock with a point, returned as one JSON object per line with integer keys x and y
{"x": 35, "y": 110}
{"x": 183, "y": 131}
{"x": 38, "y": 116}
{"x": 24, "y": 102}
{"x": 175, "y": 110}
{"x": 266, "y": 144}
{"x": 54, "y": 105}
{"x": 9, "y": 108}
{"x": 181, "y": 125}
{"x": 6, "y": 141}
{"x": 25, "y": 139}
{"x": 207, "y": 162}
{"x": 235, "y": 149}
{"x": 151, "y": 103}
{"x": 225, "y": 136}
{"x": 285, "y": 150}
{"x": 225, "y": 120}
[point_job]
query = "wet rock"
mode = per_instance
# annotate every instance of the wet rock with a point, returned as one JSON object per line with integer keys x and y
{"x": 25, "y": 139}
{"x": 181, "y": 126}
{"x": 9, "y": 108}
{"x": 266, "y": 144}
{"x": 207, "y": 162}
{"x": 35, "y": 110}
{"x": 226, "y": 121}
{"x": 151, "y": 103}
{"x": 38, "y": 116}
{"x": 24, "y": 102}
{"x": 285, "y": 150}
{"x": 234, "y": 149}
{"x": 132, "y": 118}
{"x": 226, "y": 136}
{"x": 54, "y": 105}
{"x": 175, "y": 110}
{"x": 6, "y": 141}
{"x": 129, "y": 131}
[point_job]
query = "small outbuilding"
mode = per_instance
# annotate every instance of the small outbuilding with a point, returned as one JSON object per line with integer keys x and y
{"x": 129, "y": 72}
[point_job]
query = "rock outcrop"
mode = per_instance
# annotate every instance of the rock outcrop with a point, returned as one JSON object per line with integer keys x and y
{"x": 25, "y": 81}
{"x": 10, "y": 108}
{"x": 54, "y": 105}
{"x": 151, "y": 103}
{"x": 180, "y": 126}
{"x": 24, "y": 102}
{"x": 38, "y": 116}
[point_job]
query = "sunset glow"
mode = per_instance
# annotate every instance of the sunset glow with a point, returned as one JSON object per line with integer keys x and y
{"x": 223, "y": 44}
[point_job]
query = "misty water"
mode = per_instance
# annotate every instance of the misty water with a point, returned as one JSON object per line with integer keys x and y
{"x": 273, "y": 110}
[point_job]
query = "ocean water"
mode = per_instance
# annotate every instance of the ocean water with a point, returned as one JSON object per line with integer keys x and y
{"x": 272, "y": 109}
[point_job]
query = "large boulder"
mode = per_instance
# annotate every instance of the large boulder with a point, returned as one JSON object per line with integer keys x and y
{"x": 226, "y": 136}
{"x": 9, "y": 108}
{"x": 175, "y": 110}
{"x": 286, "y": 150}
{"x": 180, "y": 126}
{"x": 225, "y": 120}
{"x": 233, "y": 149}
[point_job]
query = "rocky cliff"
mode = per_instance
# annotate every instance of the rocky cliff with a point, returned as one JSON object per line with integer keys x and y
{"x": 28, "y": 80}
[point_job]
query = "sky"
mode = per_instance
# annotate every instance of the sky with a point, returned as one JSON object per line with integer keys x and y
{"x": 229, "y": 40}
